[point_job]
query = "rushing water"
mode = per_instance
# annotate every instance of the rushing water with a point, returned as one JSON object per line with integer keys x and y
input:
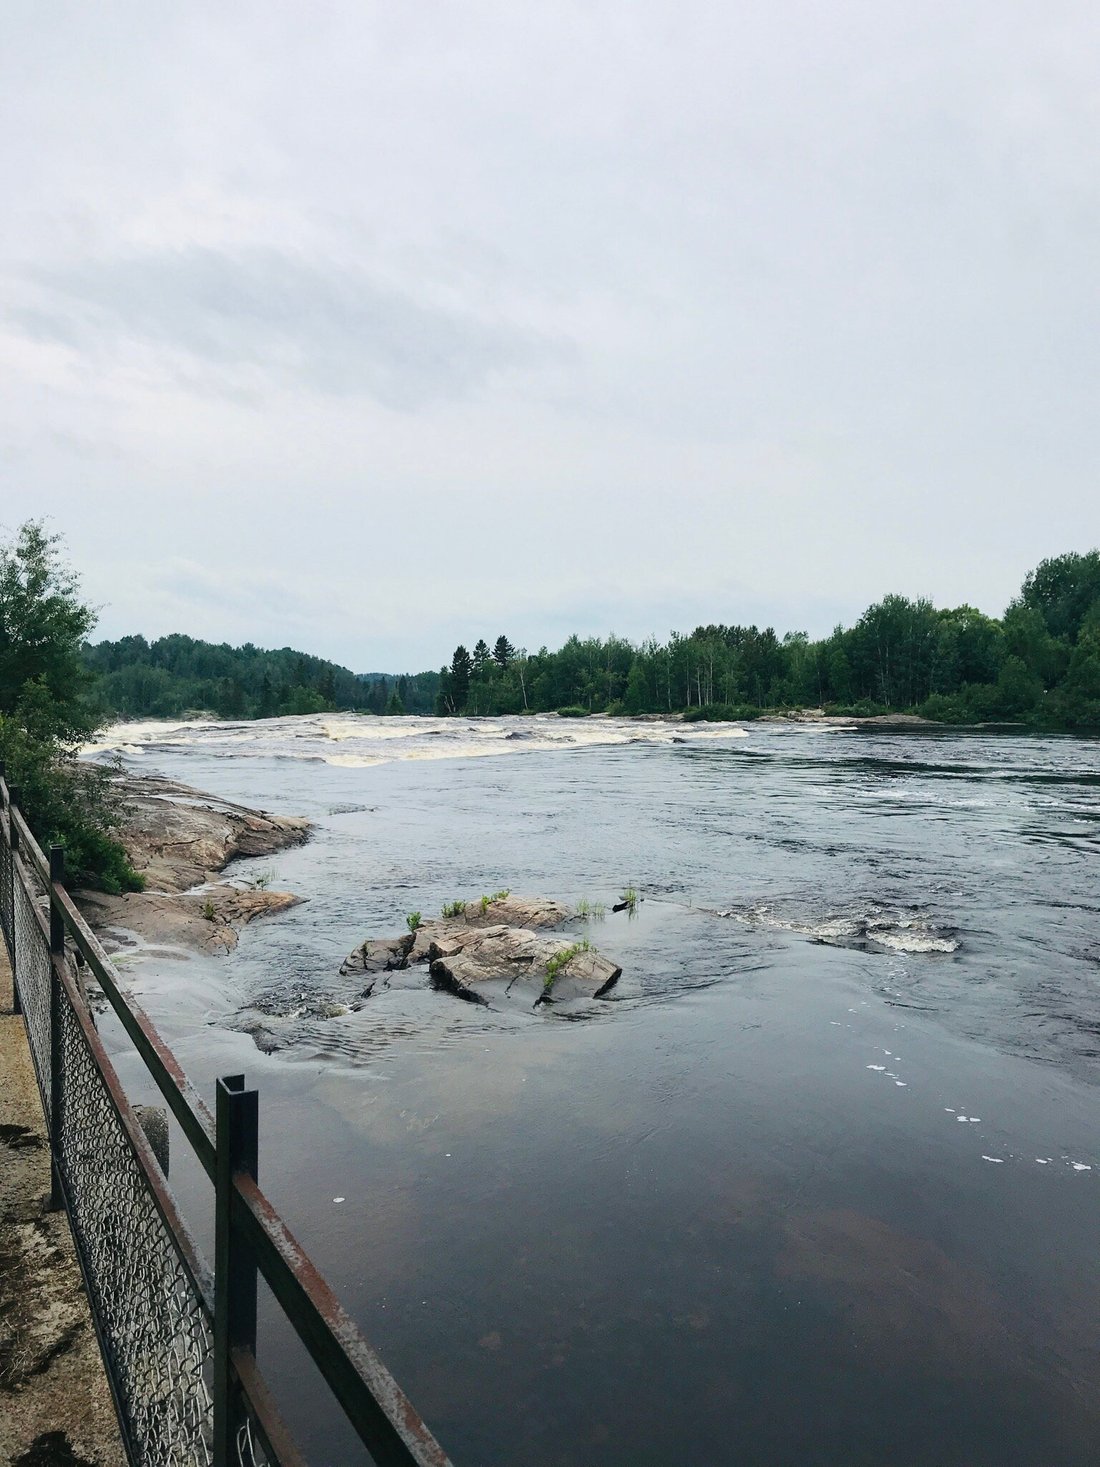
{"x": 818, "y": 1183}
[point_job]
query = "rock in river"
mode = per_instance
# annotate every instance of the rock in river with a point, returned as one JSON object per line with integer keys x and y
{"x": 492, "y": 953}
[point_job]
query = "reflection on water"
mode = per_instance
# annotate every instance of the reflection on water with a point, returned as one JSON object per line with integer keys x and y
{"x": 817, "y": 1183}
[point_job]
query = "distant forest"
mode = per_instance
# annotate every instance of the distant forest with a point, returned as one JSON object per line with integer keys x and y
{"x": 1039, "y": 665}
{"x": 177, "y": 674}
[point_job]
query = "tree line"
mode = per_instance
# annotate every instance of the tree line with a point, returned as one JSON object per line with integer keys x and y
{"x": 1039, "y": 664}
{"x": 176, "y": 675}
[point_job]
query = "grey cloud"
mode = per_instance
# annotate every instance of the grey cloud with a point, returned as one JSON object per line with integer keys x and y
{"x": 690, "y": 312}
{"x": 329, "y": 328}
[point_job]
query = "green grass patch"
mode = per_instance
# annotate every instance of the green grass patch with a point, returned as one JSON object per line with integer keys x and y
{"x": 561, "y": 960}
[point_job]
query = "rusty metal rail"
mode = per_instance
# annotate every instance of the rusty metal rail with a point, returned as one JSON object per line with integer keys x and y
{"x": 178, "y": 1339}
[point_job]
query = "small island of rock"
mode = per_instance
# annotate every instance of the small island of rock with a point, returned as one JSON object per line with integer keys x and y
{"x": 495, "y": 951}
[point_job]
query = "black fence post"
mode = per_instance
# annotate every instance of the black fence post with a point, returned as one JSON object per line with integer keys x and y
{"x": 57, "y": 953}
{"x": 237, "y": 1143}
{"x": 13, "y": 847}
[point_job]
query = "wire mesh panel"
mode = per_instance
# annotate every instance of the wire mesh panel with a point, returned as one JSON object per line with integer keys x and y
{"x": 154, "y": 1326}
{"x": 250, "y": 1449}
{"x": 32, "y": 973}
{"x": 6, "y": 915}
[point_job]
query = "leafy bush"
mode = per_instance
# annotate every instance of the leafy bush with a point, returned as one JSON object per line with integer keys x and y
{"x": 722, "y": 713}
{"x": 945, "y": 708}
{"x": 574, "y": 710}
{"x": 865, "y": 708}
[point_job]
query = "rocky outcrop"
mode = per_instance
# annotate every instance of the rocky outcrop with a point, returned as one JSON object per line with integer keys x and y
{"x": 852, "y": 720}
{"x": 514, "y": 911}
{"x": 179, "y": 839}
{"x": 498, "y": 954}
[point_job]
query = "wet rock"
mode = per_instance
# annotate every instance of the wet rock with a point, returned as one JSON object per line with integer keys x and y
{"x": 497, "y": 952}
{"x": 517, "y": 962}
{"x": 276, "y": 1018}
{"x": 264, "y": 1038}
{"x": 384, "y": 955}
{"x": 178, "y": 839}
{"x": 516, "y": 911}
{"x": 208, "y": 920}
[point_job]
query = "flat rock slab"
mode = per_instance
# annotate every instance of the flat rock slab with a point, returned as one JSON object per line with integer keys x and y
{"x": 177, "y": 837}
{"x": 483, "y": 959}
{"x": 484, "y": 964}
{"x": 206, "y": 921}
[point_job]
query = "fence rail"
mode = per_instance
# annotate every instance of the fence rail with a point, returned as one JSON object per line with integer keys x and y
{"x": 178, "y": 1339}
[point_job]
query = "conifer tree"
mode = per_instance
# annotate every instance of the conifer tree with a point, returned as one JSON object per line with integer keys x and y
{"x": 461, "y": 667}
{"x": 503, "y": 651}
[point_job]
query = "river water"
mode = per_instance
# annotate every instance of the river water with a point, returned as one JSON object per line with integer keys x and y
{"x": 817, "y": 1183}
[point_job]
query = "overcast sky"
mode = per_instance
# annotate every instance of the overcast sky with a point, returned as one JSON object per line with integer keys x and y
{"x": 370, "y": 328}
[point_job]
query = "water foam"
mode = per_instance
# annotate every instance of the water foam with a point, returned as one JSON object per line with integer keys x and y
{"x": 873, "y": 929}
{"x": 366, "y": 740}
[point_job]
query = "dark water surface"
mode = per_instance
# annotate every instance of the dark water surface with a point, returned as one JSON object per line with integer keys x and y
{"x": 735, "y": 1213}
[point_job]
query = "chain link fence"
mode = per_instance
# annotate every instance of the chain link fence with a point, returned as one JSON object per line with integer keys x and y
{"x": 154, "y": 1324}
{"x": 6, "y": 918}
{"x": 31, "y": 961}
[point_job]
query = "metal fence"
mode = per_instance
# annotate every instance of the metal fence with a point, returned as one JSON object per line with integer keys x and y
{"x": 178, "y": 1340}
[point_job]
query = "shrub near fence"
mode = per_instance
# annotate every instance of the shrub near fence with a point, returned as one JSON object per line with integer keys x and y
{"x": 178, "y": 1340}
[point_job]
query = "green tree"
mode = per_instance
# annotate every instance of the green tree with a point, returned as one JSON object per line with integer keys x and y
{"x": 45, "y": 712}
{"x": 268, "y": 700}
{"x": 1064, "y": 591}
{"x": 304, "y": 700}
{"x": 43, "y": 624}
{"x": 1027, "y": 638}
{"x": 503, "y": 652}
{"x": 636, "y": 698}
{"x": 461, "y": 667}
{"x": 1078, "y": 699}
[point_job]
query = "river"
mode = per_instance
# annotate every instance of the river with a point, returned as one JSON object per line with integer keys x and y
{"x": 817, "y": 1183}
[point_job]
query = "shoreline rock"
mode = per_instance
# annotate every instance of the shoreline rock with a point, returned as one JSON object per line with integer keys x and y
{"x": 854, "y": 720}
{"x": 180, "y": 839}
